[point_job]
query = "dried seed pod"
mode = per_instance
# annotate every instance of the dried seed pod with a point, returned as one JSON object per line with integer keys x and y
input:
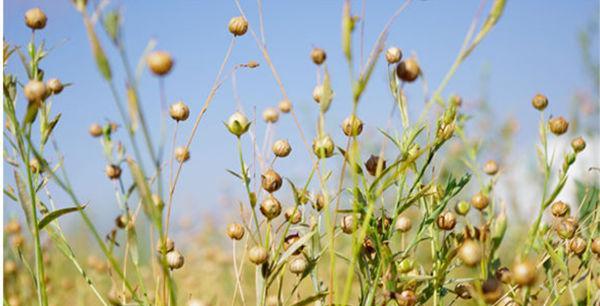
{"x": 270, "y": 115}
{"x": 463, "y": 290}
{"x": 289, "y": 240}
{"x": 318, "y": 56}
{"x": 113, "y": 172}
{"x": 35, "y": 165}
{"x": 383, "y": 224}
{"x": 121, "y": 221}
{"x": 95, "y": 130}
{"x": 271, "y": 181}
{"x": 235, "y": 231}
{"x": 490, "y": 167}
{"x": 270, "y": 207}
{"x": 462, "y": 208}
{"x": 293, "y": 215}
{"x": 352, "y": 126}
{"x": 12, "y": 227}
{"x": 55, "y": 86}
{"x": 347, "y": 224}
{"x": 35, "y": 91}
{"x": 238, "y": 124}
{"x": 369, "y": 248}
{"x": 539, "y": 102}
{"x": 524, "y": 273}
{"x": 163, "y": 247}
{"x": 393, "y": 55}
{"x": 258, "y": 255}
{"x": 492, "y": 290}
{"x": 503, "y": 274}
{"x": 159, "y": 62}
{"x": 179, "y": 111}
{"x": 403, "y": 224}
{"x": 298, "y": 265}
{"x": 323, "y": 147}
{"x": 282, "y": 148}
{"x": 596, "y": 246}
{"x": 319, "y": 92}
{"x": 578, "y": 144}
{"x": 558, "y": 125}
{"x": 319, "y": 202}
{"x": 182, "y": 154}
{"x": 407, "y": 298}
{"x": 559, "y": 209}
{"x": 285, "y": 106}
{"x": 470, "y": 253}
{"x": 35, "y": 19}
{"x": 175, "y": 260}
{"x": 577, "y": 245}
{"x": 446, "y": 221}
{"x": 566, "y": 228}
{"x": 238, "y": 26}
{"x": 480, "y": 201}
{"x": 372, "y": 163}
{"x": 408, "y": 70}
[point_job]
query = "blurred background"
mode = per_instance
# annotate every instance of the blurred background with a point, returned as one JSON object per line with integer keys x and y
{"x": 538, "y": 46}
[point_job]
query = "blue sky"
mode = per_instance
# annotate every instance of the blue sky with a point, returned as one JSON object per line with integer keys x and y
{"x": 534, "y": 48}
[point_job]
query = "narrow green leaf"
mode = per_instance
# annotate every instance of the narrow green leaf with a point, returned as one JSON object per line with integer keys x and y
{"x": 57, "y": 213}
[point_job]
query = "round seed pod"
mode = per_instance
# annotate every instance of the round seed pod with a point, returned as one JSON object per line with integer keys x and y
{"x": 446, "y": 221}
{"x": 271, "y": 181}
{"x": 406, "y": 265}
{"x": 55, "y": 86}
{"x": 35, "y": 91}
{"x": 298, "y": 265}
{"x": 319, "y": 92}
{"x": 352, "y": 126}
{"x": 596, "y": 246}
{"x": 577, "y": 245}
{"x": 121, "y": 221}
{"x": 462, "y": 208}
{"x": 524, "y": 273}
{"x": 238, "y": 26}
{"x": 578, "y": 144}
{"x": 35, "y": 19}
{"x": 539, "y": 102}
{"x": 258, "y": 255}
{"x": 463, "y": 290}
{"x": 113, "y": 172}
{"x": 456, "y": 100}
{"x": 293, "y": 215}
{"x": 95, "y": 130}
{"x": 408, "y": 70}
{"x": 160, "y": 62}
{"x": 372, "y": 163}
{"x": 558, "y": 125}
{"x": 323, "y": 147}
{"x": 179, "y": 111}
{"x": 566, "y": 228}
{"x": 12, "y": 227}
{"x": 319, "y": 202}
{"x": 347, "y": 224}
{"x": 407, "y": 298}
{"x": 174, "y": 259}
{"x": 165, "y": 247}
{"x": 492, "y": 290}
{"x": 289, "y": 240}
{"x": 318, "y": 56}
{"x": 470, "y": 253}
{"x": 270, "y": 207}
{"x": 480, "y": 201}
{"x": 10, "y": 267}
{"x": 18, "y": 241}
{"x": 182, "y": 154}
{"x": 238, "y": 124}
{"x": 285, "y": 106}
{"x": 235, "y": 231}
{"x": 270, "y": 115}
{"x": 393, "y": 55}
{"x": 490, "y": 167}
{"x": 282, "y": 148}
{"x": 559, "y": 209}
{"x": 403, "y": 224}
{"x": 503, "y": 274}
{"x": 35, "y": 165}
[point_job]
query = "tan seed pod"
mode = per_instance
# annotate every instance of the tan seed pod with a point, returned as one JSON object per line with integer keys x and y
{"x": 238, "y": 124}
{"x": 323, "y": 147}
{"x": 408, "y": 70}
{"x": 503, "y": 274}
{"x": 182, "y": 154}
{"x": 490, "y": 167}
{"x": 12, "y": 227}
{"x": 10, "y": 267}
{"x": 319, "y": 92}
{"x": 235, "y": 231}
{"x": 175, "y": 260}
{"x": 35, "y": 165}
{"x": 347, "y": 224}
{"x": 318, "y": 56}
{"x": 289, "y": 240}
{"x": 577, "y": 245}
{"x": 113, "y": 172}
{"x": 319, "y": 202}
{"x": 258, "y": 255}
{"x": 285, "y": 106}
{"x": 165, "y": 247}
{"x": 352, "y": 126}
{"x": 270, "y": 207}
{"x": 596, "y": 246}
{"x": 492, "y": 290}
{"x": 524, "y": 273}
{"x": 270, "y": 115}
{"x": 179, "y": 111}
{"x": 566, "y": 228}
{"x": 35, "y": 19}
{"x": 55, "y": 86}
{"x": 18, "y": 241}
{"x": 160, "y": 62}
{"x": 578, "y": 144}
{"x": 238, "y": 26}
{"x": 446, "y": 221}
{"x": 293, "y": 215}
{"x": 407, "y": 298}
{"x": 372, "y": 163}
{"x": 393, "y": 55}
{"x": 480, "y": 201}
{"x": 559, "y": 209}
{"x": 539, "y": 102}
{"x": 95, "y": 130}
{"x": 558, "y": 125}
{"x": 282, "y": 148}
{"x": 121, "y": 221}
{"x": 35, "y": 91}
{"x": 298, "y": 265}
{"x": 470, "y": 253}
{"x": 271, "y": 181}
{"x": 403, "y": 224}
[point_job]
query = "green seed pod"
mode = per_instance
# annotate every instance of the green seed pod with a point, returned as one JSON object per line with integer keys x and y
{"x": 462, "y": 207}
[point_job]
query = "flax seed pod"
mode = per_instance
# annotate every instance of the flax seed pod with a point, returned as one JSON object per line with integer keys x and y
{"x": 164, "y": 247}
{"x": 408, "y": 70}
{"x": 12, "y": 227}
{"x": 578, "y": 144}
{"x": 235, "y": 231}
{"x": 298, "y": 265}
{"x": 95, "y": 130}
{"x": 238, "y": 26}
{"x": 285, "y": 106}
{"x": 539, "y": 102}
{"x": 393, "y": 55}
{"x": 182, "y": 154}
{"x": 282, "y": 148}
{"x": 352, "y": 126}
{"x": 463, "y": 290}
{"x": 318, "y": 56}
{"x": 258, "y": 255}
{"x": 462, "y": 208}
{"x": 559, "y": 209}
{"x": 492, "y": 290}
{"x": 490, "y": 167}
{"x": 35, "y": 91}
{"x": 175, "y": 260}
{"x": 470, "y": 253}
{"x": 504, "y": 275}
{"x": 524, "y": 273}
{"x": 270, "y": 115}
{"x": 290, "y": 240}
{"x": 577, "y": 245}
{"x": 271, "y": 181}
{"x": 55, "y": 86}
{"x": 35, "y": 165}
{"x": 446, "y": 221}
{"x": 319, "y": 202}
{"x": 293, "y": 215}
{"x": 160, "y": 62}
{"x": 480, "y": 201}
{"x": 113, "y": 172}
{"x": 403, "y": 224}
{"x": 347, "y": 224}
{"x": 238, "y": 124}
{"x": 323, "y": 147}
{"x": 596, "y": 246}
{"x": 179, "y": 111}
{"x": 558, "y": 125}
{"x": 566, "y": 228}
{"x": 319, "y": 92}
{"x": 372, "y": 163}
{"x": 35, "y": 19}
{"x": 270, "y": 207}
